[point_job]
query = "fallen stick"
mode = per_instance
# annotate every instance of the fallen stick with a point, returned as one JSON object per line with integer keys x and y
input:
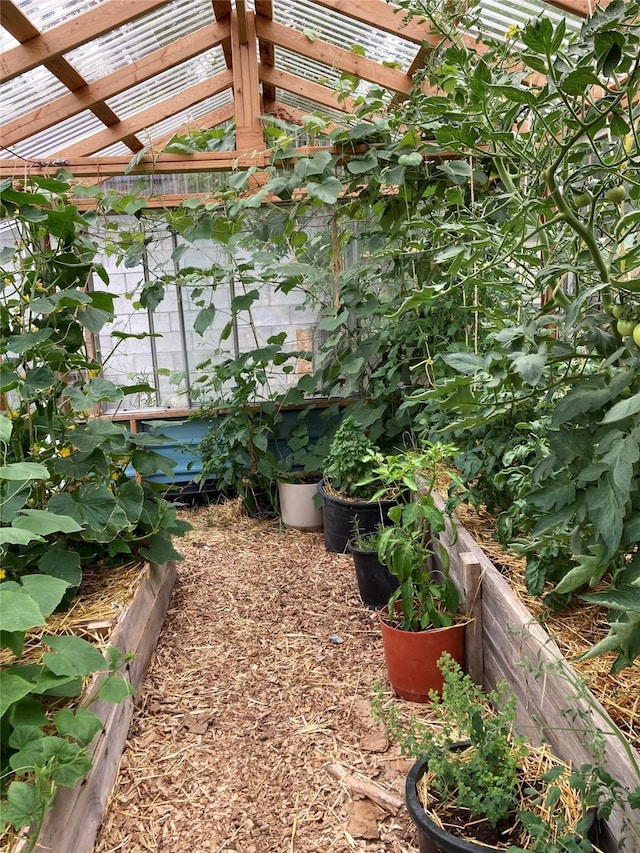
{"x": 386, "y": 799}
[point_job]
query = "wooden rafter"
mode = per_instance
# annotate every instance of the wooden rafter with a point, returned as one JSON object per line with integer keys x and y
{"x": 91, "y": 94}
{"x": 305, "y": 89}
{"x": 336, "y": 57}
{"x": 378, "y": 14}
{"x": 246, "y": 90}
{"x": 266, "y": 50}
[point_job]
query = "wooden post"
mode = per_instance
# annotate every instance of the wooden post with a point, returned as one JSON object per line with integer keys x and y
{"x": 472, "y": 606}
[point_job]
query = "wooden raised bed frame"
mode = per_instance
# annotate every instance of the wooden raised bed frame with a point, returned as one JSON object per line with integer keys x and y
{"x": 506, "y": 642}
{"x": 71, "y": 826}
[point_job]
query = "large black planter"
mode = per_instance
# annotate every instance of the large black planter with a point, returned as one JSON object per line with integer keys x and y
{"x": 433, "y": 838}
{"x": 375, "y": 581}
{"x": 342, "y": 518}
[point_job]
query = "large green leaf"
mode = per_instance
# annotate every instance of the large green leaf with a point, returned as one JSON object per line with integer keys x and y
{"x": 24, "y": 471}
{"x": 623, "y": 409}
{"x": 73, "y": 656}
{"x": 82, "y": 725}
{"x": 24, "y": 804}
{"x": 328, "y": 191}
{"x": 19, "y": 611}
{"x": 42, "y": 522}
{"x": 159, "y": 550}
{"x": 96, "y": 508}
{"x": 623, "y": 598}
{"x": 45, "y": 590}
{"x": 13, "y": 689}
{"x": 63, "y": 564}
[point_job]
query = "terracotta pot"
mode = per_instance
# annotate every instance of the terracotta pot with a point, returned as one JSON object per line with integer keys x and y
{"x": 297, "y": 508}
{"x": 412, "y": 657}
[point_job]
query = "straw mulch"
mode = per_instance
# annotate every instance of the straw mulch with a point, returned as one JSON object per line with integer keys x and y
{"x": 575, "y": 629}
{"x": 261, "y": 679}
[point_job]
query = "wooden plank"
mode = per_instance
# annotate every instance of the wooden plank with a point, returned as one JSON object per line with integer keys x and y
{"x": 146, "y": 118}
{"x": 89, "y": 95}
{"x": 246, "y": 90}
{"x": 73, "y": 823}
{"x": 72, "y": 34}
{"x": 553, "y": 703}
{"x": 305, "y": 88}
{"x": 336, "y": 57}
{"x": 471, "y": 578}
{"x": 378, "y": 14}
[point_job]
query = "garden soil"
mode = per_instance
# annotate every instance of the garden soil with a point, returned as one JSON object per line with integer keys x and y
{"x": 260, "y": 682}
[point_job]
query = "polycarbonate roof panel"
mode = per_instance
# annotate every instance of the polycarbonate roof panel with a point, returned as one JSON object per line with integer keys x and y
{"x": 498, "y": 17}
{"x": 65, "y": 133}
{"x": 343, "y": 32}
{"x": 140, "y": 37}
{"x": 45, "y": 14}
{"x": 34, "y": 89}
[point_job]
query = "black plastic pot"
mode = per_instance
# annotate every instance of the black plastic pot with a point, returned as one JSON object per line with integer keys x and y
{"x": 375, "y": 581}
{"x": 432, "y": 838}
{"x": 343, "y": 517}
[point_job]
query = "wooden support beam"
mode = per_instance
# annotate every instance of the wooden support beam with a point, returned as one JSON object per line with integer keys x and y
{"x": 91, "y": 94}
{"x": 241, "y": 12}
{"x": 167, "y": 164}
{"x": 147, "y": 118}
{"x": 378, "y": 14}
{"x": 75, "y": 32}
{"x": 305, "y": 88}
{"x": 582, "y": 8}
{"x": 222, "y": 12}
{"x": 266, "y": 52}
{"x": 329, "y": 54}
{"x": 246, "y": 88}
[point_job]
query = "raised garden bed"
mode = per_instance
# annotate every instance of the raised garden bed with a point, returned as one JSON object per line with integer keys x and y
{"x": 510, "y": 643}
{"x": 73, "y": 822}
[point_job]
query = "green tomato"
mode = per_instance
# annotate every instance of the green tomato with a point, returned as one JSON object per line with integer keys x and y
{"x": 582, "y": 199}
{"x": 636, "y": 335}
{"x": 616, "y": 194}
{"x": 625, "y": 327}
{"x": 617, "y": 311}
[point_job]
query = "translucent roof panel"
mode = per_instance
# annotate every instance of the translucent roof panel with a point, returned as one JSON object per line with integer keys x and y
{"x": 140, "y": 37}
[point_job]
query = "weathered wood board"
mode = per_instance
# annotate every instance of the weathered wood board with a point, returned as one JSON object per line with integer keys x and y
{"x": 553, "y": 704}
{"x": 71, "y": 826}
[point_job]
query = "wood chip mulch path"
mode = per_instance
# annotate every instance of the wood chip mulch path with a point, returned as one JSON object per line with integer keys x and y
{"x": 261, "y": 679}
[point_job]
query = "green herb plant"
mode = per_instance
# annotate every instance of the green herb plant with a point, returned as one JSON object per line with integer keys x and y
{"x": 348, "y": 462}
{"x": 426, "y": 598}
{"x": 483, "y": 776}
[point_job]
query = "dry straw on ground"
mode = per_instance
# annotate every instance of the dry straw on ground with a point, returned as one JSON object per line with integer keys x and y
{"x": 259, "y": 683}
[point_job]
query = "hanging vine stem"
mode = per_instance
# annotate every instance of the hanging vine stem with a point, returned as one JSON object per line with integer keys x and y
{"x": 476, "y": 313}
{"x": 336, "y": 261}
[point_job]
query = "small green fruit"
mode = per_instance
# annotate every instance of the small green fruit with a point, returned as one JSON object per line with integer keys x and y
{"x": 636, "y": 335}
{"x": 616, "y": 194}
{"x": 625, "y": 327}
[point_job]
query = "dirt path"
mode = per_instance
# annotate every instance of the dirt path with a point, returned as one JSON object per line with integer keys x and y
{"x": 260, "y": 679}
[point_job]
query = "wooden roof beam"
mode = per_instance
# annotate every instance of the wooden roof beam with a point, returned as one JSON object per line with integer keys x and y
{"x": 246, "y": 83}
{"x": 146, "y": 118}
{"x": 73, "y": 33}
{"x": 305, "y": 88}
{"x": 222, "y": 12}
{"x": 381, "y": 16}
{"x": 336, "y": 57}
{"x": 266, "y": 52}
{"x": 92, "y": 94}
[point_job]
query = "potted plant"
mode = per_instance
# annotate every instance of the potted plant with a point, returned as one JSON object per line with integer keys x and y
{"x": 375, "y": 582}
{"x": 420, "y": 621}
{"x": 477, "y": 785}
{"x": 350, "y": 496}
